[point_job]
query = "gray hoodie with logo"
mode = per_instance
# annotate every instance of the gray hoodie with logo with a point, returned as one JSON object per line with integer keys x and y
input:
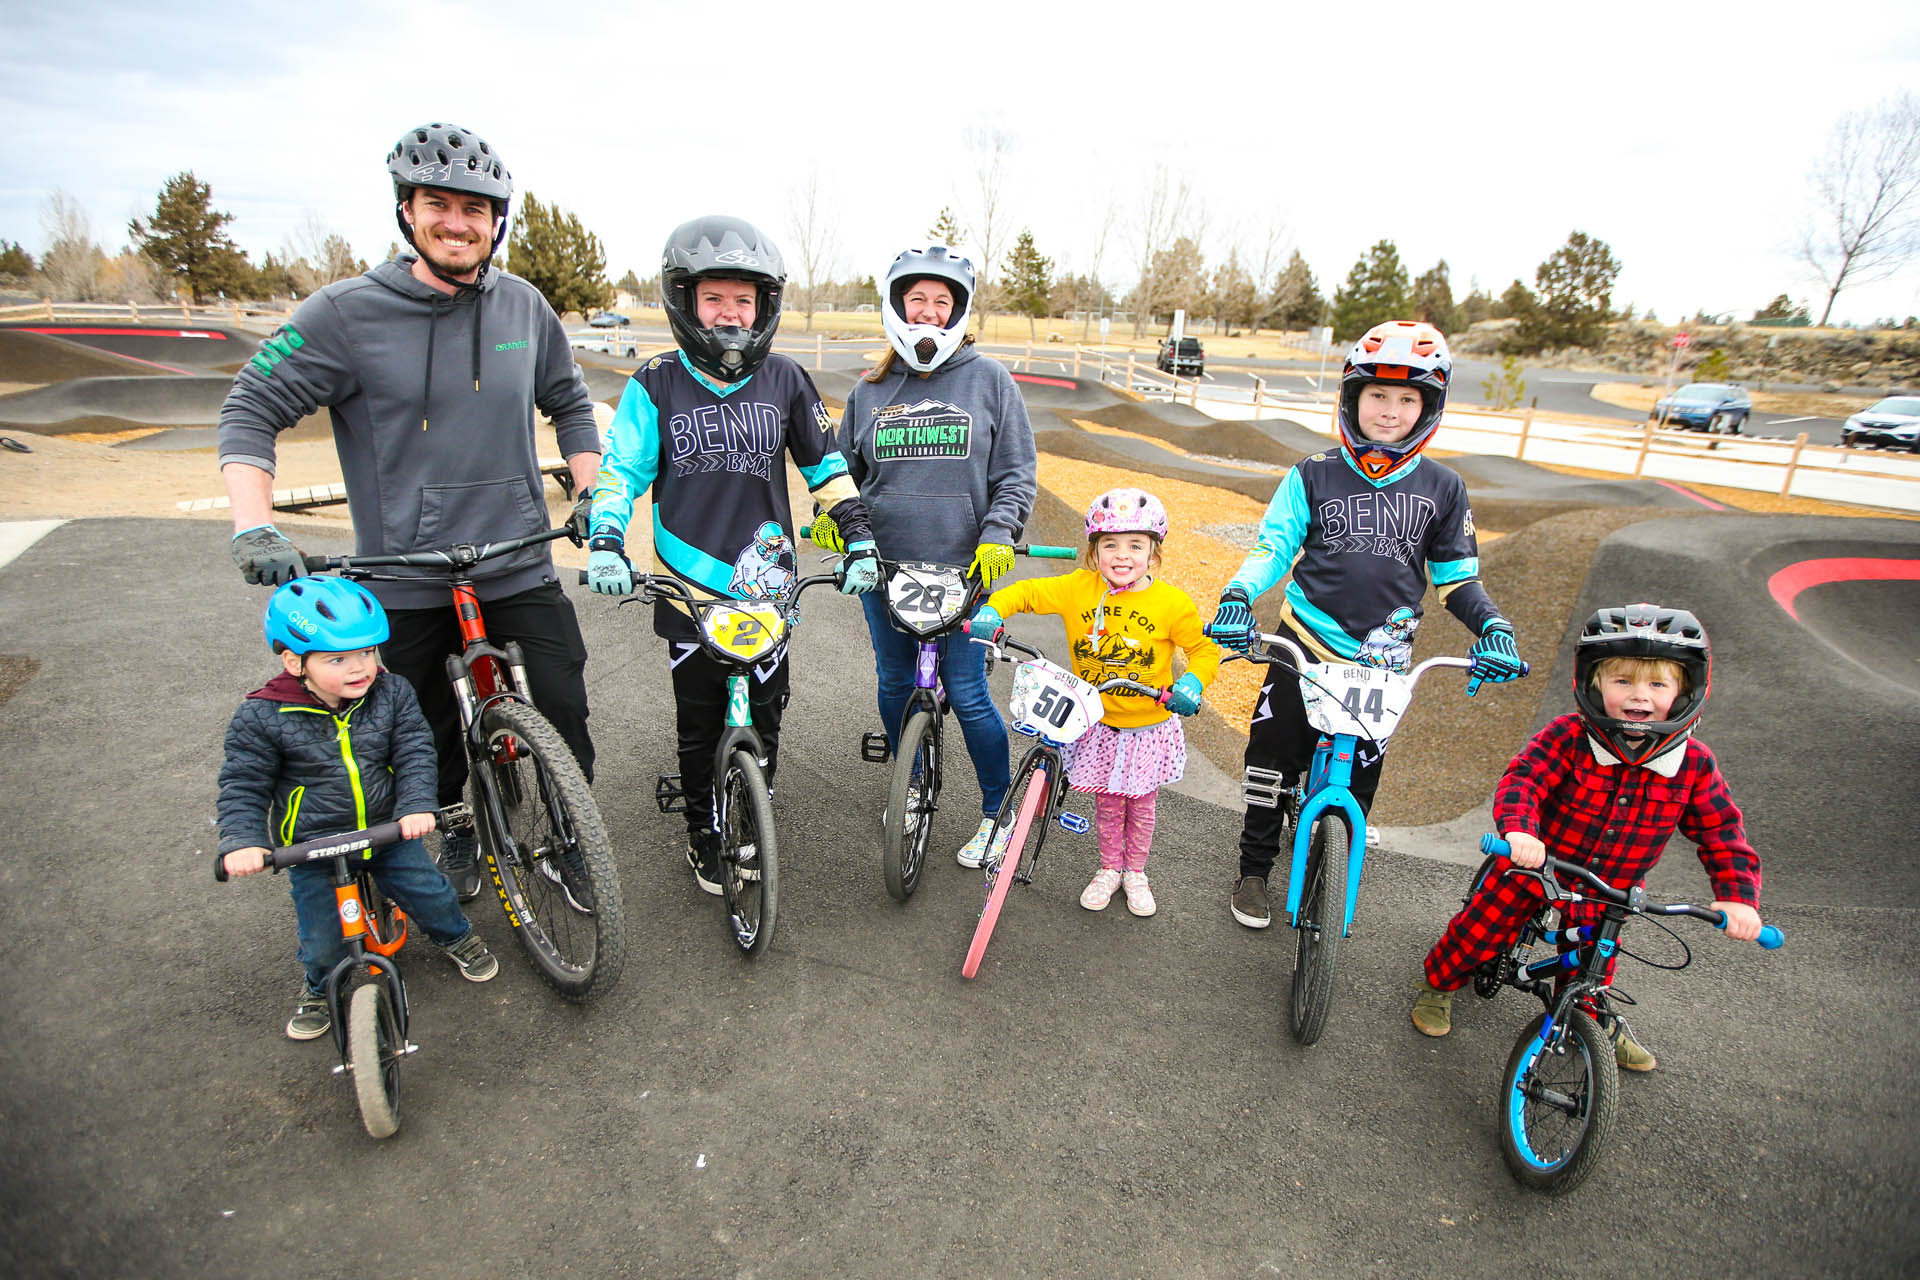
{"x": 432, "y": 398}
{"x": 944, "y": 460}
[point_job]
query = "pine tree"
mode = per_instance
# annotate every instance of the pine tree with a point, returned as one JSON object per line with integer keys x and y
{"x": 1375, "y": 291}
{"x": 1574, "y": 298}
{"x": 946, "y": 230}
{"x": 14, "y": 261}
{"x": 187, "y": 239}
{"x": 551, "y": 251}
{"x": 1296, "y": 302}
{"x": 1433, "y": 299}
{"x": 1029, "y": 282}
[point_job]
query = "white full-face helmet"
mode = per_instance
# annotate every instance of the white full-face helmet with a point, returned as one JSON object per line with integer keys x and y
{"x": 925, "y": 347}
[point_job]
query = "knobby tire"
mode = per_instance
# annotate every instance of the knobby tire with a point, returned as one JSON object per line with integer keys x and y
{"x": 750, "y": 885}
{"x": 1323, "y": 907}
{"x": 904, "y": 844}
{"x": 1552, "y": 1145}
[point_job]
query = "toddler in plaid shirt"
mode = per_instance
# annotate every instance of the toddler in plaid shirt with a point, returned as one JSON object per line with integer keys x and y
{"x": 1606, "y": 787}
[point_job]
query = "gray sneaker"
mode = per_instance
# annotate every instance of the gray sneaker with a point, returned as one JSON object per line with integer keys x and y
{"x": 310, "y": 1018}
{"x": 573, "y": 883}
{"x": 1249, "y": 902}
{"x": 459, "y": 865}
{"x": 470, "y": 954}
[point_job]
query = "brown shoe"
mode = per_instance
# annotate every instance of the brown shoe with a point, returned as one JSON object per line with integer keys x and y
{"x": 1432, "y": 1009}
{"x": 1249, "y": 902}
{"x": 1629, "y": 1053}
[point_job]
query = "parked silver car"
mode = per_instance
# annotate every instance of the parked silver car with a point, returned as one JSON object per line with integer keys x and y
{"x": 1894, "y": 423}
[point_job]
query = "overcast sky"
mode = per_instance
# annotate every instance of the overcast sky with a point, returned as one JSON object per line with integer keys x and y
{"x": 1483, "y": 134}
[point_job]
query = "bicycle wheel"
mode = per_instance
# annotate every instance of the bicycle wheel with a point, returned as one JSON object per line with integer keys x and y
{"x": 374, "y": 1049}
{"x": 1323, "y": 909}
{"x": 550, "y": 859}
{"x": 1015, "y": 824}
{"x": 1556, "y": 1107}
{"x": 749, "y": 855}
{"x": 903, "y": 848}
{"x": 386, "y": 922}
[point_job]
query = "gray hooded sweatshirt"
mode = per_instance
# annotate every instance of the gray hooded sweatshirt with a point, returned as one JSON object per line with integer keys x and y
{"x": 432, "y": 398}
{"x": 944, "y": 460}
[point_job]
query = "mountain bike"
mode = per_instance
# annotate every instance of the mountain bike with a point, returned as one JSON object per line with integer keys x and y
{"x": 929, "y": 602}
{"x": 546, "y": 848}
{"x": 371, "y": 1038}
{"x": 1558, "y": 1096}
{"x": 1056, "y": 707}
{"x": 739, "y": 633}
{"x": 1346, "y": 703}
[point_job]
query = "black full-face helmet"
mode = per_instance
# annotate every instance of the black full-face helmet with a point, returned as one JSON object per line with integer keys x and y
{"x": 734, "y": 249}
{"x": 1642, "y": 631}
{"x": 449, "y": 158}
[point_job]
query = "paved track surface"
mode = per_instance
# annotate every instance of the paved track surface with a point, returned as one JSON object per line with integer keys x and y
{"x": 1112, "y": 1095}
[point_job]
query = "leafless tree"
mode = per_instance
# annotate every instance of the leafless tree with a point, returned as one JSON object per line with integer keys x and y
{"x": 71, "y": 264}
{"x": 1093, "y": 270}
{"x": 1163, "y": 213}
{"x": 1866, "y": 223}
{"x": 317, "y": 255}
{"x": 990, "y": 148}
{"x": 814, "y": 237}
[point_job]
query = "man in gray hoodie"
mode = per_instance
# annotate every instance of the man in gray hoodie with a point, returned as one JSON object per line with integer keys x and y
{"x": 431, "y": 366}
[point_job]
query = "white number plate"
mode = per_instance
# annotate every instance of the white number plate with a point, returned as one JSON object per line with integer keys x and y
{"x": 1053, "y": 703}
{"x": 926, "y": 597}
{"x": 1366, "y": 702}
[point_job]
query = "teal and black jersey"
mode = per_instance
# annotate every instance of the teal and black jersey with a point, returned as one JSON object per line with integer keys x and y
{"x": 1363, "y": 553}
{"x": 712, "y": 456}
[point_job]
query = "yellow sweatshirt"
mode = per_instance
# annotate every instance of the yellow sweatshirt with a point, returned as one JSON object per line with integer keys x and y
{"x": 1134, "y": 636}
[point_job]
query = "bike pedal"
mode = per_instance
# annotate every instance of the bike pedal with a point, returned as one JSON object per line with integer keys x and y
{"x": 1073, "y": 822}
{"x": 456, "y": 817}
{"x": 1263, "y": 788}
{"x": 873, "y": 748}
{"x": 668, "y": 794}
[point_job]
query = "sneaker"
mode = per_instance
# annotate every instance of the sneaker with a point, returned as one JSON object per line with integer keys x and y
{"x": 1249, "y": 902}
{"x": 1139, "y": 896}
{"x": 916, "y": 808}
{"x": 458, "y": 863}
{"x": 470, "y": 955}
{"x": 572, "y": 883}
{"x": 310, "y": 1018}
{"x": 1432, "y": 1009}
{"x": 1628, "y": 1053}
{"x": 1099, "y": 893}
{"x": 974, "y": 852}
{"x": 703, "y": 856}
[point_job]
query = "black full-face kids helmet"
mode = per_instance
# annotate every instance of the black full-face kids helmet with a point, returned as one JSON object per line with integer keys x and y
{"x": 449, "y": 158}
{"x": 1642, "y": 631}
{"x": 733, "y": 249}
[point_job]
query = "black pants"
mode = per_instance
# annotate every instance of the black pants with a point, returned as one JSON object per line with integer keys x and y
{"x": 700, "y": 708}
{"x": 1281, "y": 738}
{"x": 542, "y": 622}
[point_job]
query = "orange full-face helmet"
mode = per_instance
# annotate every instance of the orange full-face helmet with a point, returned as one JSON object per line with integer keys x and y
{"x": 1410, "y": 353}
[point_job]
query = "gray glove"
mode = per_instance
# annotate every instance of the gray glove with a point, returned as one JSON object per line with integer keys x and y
{"x": 266, "y": 558}
{"x": 580, "y": 520}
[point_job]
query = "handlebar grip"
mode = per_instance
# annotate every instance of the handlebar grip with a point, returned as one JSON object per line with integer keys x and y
{"x": 1771, "y": 938}
{"x": 220, "y": 868}
{"x": 806, "y": 531}
{"x": 314, "y": 564}
{"x": 1495, "y": 846}
{"x": 1040, "y": 551}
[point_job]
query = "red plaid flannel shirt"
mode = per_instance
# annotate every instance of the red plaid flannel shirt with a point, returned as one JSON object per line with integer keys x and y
{"x": 1614, "y": 819}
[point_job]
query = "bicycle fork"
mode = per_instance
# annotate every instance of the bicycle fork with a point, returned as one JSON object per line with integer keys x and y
{"x": 1328, "y": 780}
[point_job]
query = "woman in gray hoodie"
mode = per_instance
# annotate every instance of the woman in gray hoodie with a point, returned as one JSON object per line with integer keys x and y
{"x": 938, "y": 441}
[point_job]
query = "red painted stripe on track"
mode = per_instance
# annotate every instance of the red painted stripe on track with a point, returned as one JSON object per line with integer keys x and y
{"x": 1045, "y": 382}
{"x": 1685, "y": 492}
{"x": 1787, "y": 584}
{"x": 131, "y": 333}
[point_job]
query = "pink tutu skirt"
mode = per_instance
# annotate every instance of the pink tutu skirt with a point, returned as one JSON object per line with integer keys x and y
{"x": 1128, "y": 762}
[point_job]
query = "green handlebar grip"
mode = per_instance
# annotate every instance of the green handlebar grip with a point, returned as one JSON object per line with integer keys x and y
{"x": 806, "y": 531}
{"x": 1039, "y": 552}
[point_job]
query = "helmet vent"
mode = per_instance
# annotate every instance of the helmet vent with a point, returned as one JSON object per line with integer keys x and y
{"x": 453, "y": 140}
{"x": 925, "y": 349}
{"x": 325, "y": 610}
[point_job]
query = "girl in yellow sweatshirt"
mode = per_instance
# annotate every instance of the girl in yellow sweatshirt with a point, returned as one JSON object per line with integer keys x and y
{"x": 1123, "y": 622}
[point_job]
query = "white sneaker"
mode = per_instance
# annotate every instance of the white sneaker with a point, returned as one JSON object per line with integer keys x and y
{"x": 974, "y": 852}
{"x": 916, "y": 809}
{"x": 1099, "y": 892}
{"x": 1139, "y": 896}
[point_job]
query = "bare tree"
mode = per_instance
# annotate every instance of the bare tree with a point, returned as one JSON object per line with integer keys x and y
{"x": 1093, "y": 272}
{"x": 814, "y": 238}
{"x": 71, "y": 265}
{"x": 317, "y": 255}
{"x": 1163, "y": 212}
{"x": 990, "y": 148}
{"x": 1866, "y": 225}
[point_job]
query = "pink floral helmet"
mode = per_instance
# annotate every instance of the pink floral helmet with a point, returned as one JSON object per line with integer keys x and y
{"x": 1127, "y": 511}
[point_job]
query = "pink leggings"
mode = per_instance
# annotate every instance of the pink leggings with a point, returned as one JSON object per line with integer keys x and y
{"x": 1125, "y": 824}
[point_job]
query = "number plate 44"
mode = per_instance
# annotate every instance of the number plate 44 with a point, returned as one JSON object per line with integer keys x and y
{"x": 1363, "y": 702}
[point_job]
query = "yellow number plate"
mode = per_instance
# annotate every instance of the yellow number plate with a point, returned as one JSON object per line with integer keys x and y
{"x": 745, "y": 633}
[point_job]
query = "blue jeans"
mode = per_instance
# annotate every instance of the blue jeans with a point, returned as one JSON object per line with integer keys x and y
{"x": 404, "y": 872}
{"x": 963, "y": 670}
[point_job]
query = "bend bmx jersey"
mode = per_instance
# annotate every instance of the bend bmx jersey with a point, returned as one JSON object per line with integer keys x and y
{"x": 1363, "y": 553}
{"x": 713, "y": 457}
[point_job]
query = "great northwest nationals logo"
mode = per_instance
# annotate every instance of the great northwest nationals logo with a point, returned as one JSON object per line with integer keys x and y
{"x": 926, "y": 429}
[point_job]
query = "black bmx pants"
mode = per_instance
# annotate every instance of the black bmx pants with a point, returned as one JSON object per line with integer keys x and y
{"x": 1282, "y": 739}
{"x": 542, "y": 623}
{"x": 700, "y": 708}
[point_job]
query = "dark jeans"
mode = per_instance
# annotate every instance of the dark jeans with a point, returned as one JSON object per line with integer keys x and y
{"x": 404, "y": 873}
{"x": 1281, "y": 738}
{"x": 963, "y": 672}
{"x": 700, "y": 710}
{"x": 542, "y": 622}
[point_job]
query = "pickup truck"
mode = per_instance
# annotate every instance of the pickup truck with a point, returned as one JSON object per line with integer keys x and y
{"x": 1184, "y": 359}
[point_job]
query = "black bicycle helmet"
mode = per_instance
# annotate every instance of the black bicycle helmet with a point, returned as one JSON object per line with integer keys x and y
{"x": 732, "y": 248}
{"x": 449, "y": 158}
{"x": 1642, "y": 631}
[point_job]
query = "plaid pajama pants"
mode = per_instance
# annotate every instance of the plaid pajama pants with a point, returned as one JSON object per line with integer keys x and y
{"x": 1490, "y": 923}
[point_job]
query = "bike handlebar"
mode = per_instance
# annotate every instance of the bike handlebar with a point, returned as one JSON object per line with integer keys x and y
{"x": 1300, "y": 658}
{"x": 649, "y": 587}
{"x": 1037, "y": 550}
{"x": 1633, "y": 899}
{"x": 1001, "y": 640}
{"x": 459, "y": 556}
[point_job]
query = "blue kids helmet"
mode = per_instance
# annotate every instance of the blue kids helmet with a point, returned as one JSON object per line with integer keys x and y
{"x": 322, "y": 614}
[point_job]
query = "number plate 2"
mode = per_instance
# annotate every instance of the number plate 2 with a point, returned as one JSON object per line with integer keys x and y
{"x": 746, "y": 633}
